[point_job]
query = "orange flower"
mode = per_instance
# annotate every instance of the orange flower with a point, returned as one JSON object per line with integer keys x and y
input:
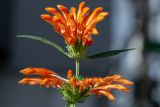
{"x": 99, "y": 86}
{"x": 47, "y": 78}
{"x": 75, "y": 25}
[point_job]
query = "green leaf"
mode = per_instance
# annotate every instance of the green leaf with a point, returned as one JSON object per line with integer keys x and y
{"x": 107, "y": 53}
{"x": 43, "y": 40}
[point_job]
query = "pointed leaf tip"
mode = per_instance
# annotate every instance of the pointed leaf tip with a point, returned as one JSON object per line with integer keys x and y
{"x": 46, "y": 41}
{"x": 108, "y": 53}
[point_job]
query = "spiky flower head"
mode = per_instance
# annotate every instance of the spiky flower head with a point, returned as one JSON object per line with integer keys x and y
{"x": 73, "y": 88}
{"x": 76, "y": 26}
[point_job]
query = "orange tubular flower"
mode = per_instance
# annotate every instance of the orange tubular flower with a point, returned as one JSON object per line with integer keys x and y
{"x": 99, "y": 86}
{"x": 75, "y": 25}
{"x": 48, "y": 78}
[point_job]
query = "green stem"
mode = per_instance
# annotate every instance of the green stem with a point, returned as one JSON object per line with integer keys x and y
{"x": 77, "y": 68}
{"x": 71, "y": 105}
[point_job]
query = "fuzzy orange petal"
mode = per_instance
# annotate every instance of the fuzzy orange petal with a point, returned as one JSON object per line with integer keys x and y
{"x": 31, "y": 81}
{"x": 93, "y": 15}
{"x": 73, "y": 10}
{"x": 107, "y": 94}
{"x": 38, "y": 71}
{"x": 81, "y": 6}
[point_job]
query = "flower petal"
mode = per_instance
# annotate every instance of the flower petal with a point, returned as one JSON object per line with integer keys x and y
{"x": 115, "y": 86}
{"x": 73, "y": 9}
{"x": 107, "y": 94}
{"x": 95, "y": 31}
{"x": 64, "y": 11}
{"x": 56, "y": 13}
{"x": 69, "y": 74}
{"x": 125, "y": 81}
{"x": 93, "y": 15}
{"x": 31, "y": 81}
{"x": 47, "y": 18}
{"x": 38, "y": 71}
{"x": 81, "y": 6}
{"x": 83, "y": 14}
{"x": 52, "y": 82}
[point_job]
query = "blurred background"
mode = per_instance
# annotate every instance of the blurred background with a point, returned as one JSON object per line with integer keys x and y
{"x": 131, "y": 24}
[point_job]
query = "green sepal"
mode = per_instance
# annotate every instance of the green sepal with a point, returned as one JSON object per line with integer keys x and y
{"x": 46, "y": 41}
{"x": 107, "y": 53}
{"x": 71, "y": 95}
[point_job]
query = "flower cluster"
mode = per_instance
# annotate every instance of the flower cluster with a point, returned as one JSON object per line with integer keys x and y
{"x": 99, "y": 86}
{"x": 75, "y": 26}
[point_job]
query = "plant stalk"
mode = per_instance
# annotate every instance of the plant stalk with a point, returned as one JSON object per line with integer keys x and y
{"x": 77, "y": 68}
{"x": 71, "y": 105}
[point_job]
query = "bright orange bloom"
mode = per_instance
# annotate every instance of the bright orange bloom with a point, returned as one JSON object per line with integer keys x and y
{"x": 47, "y": 78}
{"x": 99, "y": 86}
{"x": 75, "y": 25}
